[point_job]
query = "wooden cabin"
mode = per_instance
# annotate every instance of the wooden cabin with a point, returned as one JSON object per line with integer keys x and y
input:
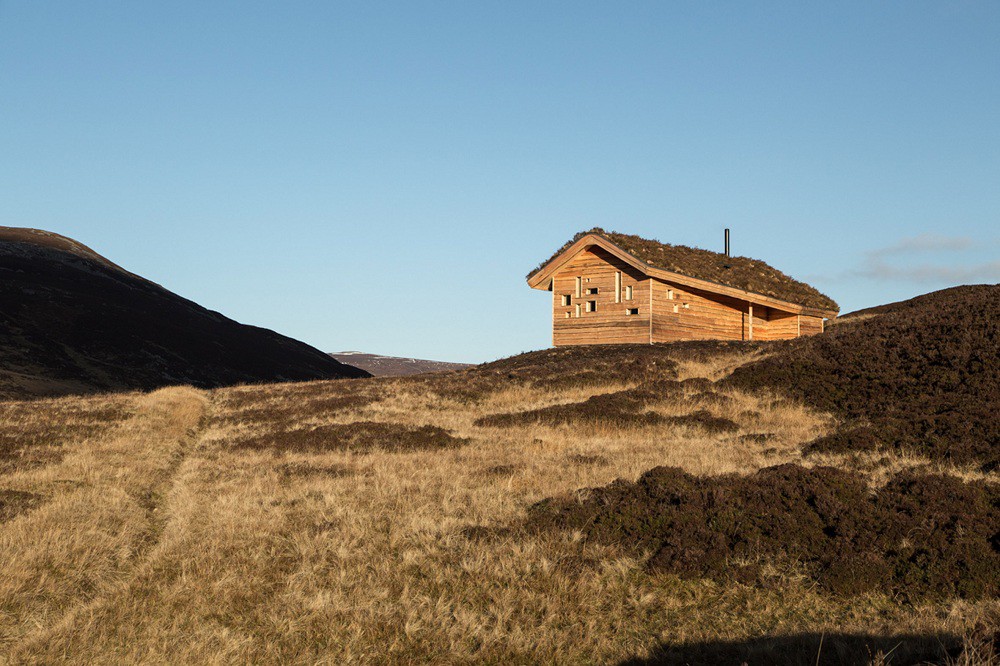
{"x": 616, "y": 288}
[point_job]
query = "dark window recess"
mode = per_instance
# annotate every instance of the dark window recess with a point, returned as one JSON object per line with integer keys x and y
{"x": 633, "y": 311}
{"x": 565, "y": 299}
{"x": 592, "y": 290}
{"x": 591, "y": 306}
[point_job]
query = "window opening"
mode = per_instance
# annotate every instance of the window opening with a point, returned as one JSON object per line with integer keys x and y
{"x": 591, "y": 306}
{"x": 566, "y": 300}
{"x": 618, "y": 287}
{"x": 628, "y": 293}
{"x": 632, "y": 311}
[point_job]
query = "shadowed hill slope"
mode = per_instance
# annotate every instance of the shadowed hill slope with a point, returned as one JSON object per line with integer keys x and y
{"x": 73, "y": 322}
{"x": 920, "y": 374}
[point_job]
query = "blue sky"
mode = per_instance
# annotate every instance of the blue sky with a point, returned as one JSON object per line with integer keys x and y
{"x": 381, "y": 176}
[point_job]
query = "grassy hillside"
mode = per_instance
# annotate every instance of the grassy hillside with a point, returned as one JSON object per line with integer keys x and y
{"x": 442, "y": 519}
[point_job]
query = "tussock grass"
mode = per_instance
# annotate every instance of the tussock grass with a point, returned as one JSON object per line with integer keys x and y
{"x": 160, "y": 539}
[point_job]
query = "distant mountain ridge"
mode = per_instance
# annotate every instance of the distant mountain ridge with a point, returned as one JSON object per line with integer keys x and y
{"x": 394, "y": 366}
{"x": 72, "y": 321}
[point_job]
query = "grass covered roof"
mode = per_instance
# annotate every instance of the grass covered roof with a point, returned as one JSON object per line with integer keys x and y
{"x": 743, "y": 273}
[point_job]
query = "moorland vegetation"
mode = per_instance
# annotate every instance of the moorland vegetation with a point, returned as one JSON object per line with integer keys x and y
{"x": 626, "y": 504}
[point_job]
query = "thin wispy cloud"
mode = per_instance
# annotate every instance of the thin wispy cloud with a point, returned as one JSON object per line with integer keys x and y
{"x": 925, "y": 243}
{"x": 881, "y": 270}
{"x": 925, "y": 259}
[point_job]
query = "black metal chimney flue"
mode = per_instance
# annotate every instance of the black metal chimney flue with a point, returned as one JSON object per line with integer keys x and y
{"x": 727, "y": 242}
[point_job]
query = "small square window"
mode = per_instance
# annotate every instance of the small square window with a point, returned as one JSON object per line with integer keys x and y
{"x": 566, "y": 299}
{"x": 632, "y": 311}
{"x": 591, "y": 306}
{"x": 687, "y": 306}
{"x": 567, "y": 315}
{"x": 592, "y": 291}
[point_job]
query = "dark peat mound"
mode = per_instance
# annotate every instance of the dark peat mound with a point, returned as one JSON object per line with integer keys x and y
{"x": 73, "y": 322}
{"x": 623, "y": 409}
{"x": 920, "y": 375}
{"x": 359, "y": 437}
{"x": 918, "y": 536}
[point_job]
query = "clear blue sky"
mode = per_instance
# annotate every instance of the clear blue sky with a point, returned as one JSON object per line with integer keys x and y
{"x": 381, "y": 176}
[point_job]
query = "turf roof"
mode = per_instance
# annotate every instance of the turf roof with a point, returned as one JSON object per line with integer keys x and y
{"x": 743, "y": 273}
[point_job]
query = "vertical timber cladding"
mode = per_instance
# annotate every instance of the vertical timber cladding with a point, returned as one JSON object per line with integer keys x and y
{"x": 609, "y": 321}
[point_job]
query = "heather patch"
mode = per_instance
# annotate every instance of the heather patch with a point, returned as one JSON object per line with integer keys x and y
{"x": 360, "y": 437}
{"x": 920, "y": 375}
{"x": 916, "y": 536}
{"x": 13, "y": 502}
{"x": 626, "y": 408}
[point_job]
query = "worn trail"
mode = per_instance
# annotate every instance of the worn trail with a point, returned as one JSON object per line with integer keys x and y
{"x": 106, "y": 509}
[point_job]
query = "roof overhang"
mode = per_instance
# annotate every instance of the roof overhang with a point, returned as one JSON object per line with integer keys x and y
{"x": 542, "y": 278}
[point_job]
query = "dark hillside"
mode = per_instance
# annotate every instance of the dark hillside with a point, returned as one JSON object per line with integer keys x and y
{"x": 922, "y": 374}
{"x": 73, "y": 322}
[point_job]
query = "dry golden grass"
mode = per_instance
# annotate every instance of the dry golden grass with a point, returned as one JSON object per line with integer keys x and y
{"x": 159, "y": 541}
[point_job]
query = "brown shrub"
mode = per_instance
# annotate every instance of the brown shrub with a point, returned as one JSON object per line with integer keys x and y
{"x": 757, "y": 437}
{"x": 500, "y": 470}
{"x": 295, "y": 405}
{"x": 35, "y": 432}
{"x": 359, "y": 437}
{"x": 919, "y": 535}
{"x": 921, "y": 373}
{"x": 559, "y": 368}
{"x": 13, "y": 502}
{"x": 299, "y": 469}
{"x": 620, "y": 408}
{"x": 577, "y": 412}
{"x": 705, "y": 420}
{"x": 581, "y": 459}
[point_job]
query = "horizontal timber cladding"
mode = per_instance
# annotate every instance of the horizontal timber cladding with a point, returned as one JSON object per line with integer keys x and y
{"x": 779, "y": 325}
{"x": 810, "y": 325}
{"x": 683, "y": 313}
{"x": 604, "y": 311}
{"x": 600, "y": 299}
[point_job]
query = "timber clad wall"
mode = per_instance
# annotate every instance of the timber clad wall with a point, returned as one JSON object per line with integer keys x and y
{"x": 694, "y": 315}
{"x": 599, "y": 297}
{"x": 811, "y": 325}
{"x": 609, "y": 323}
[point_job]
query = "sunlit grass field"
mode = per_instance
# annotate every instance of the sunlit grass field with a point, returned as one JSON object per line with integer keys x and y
{"x": 256, "y": 524}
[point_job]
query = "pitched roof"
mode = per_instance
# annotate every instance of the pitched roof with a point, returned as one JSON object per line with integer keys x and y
{"x": 750, "y": 275}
